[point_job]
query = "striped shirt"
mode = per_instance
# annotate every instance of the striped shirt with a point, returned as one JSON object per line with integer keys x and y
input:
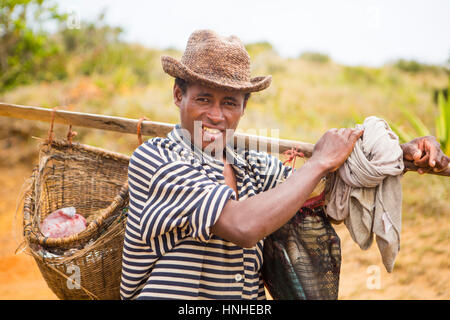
{"x": 177, "y": 193}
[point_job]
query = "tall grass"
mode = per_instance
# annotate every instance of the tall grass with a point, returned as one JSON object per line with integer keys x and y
{"x": 441, "y": 124}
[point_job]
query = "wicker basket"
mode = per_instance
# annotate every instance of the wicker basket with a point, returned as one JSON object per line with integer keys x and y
{"x": 94, "y": 181}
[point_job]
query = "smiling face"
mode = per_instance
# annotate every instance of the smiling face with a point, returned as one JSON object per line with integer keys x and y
{"x": 209, "y": 114}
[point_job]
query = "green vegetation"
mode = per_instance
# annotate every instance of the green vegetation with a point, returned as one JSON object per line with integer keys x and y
{"x": 257, "y": 48}
{"x": 413, "y": 66}
{"x": 27, "y": 53}
{"x": 441, "y": 124}
{"x": 315, "y": 57}
{"x": 30, "y": 54}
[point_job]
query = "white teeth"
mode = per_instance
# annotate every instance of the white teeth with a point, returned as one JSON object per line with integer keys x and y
{"x": 211, "y": 130}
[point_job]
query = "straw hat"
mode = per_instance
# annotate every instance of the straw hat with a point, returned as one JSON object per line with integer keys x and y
{"x": 217, "y": 62}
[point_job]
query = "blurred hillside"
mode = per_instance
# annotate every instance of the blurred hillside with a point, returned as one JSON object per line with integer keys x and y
{"x": 90, "y": 69}
{"x": 99, "y": 73}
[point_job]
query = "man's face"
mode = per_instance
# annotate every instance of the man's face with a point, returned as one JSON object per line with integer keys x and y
{"x": 210, "y": 115}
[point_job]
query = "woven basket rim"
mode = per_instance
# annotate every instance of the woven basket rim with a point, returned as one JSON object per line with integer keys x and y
{"x": 85, "y": 147}
{"x": 101, "y": 214}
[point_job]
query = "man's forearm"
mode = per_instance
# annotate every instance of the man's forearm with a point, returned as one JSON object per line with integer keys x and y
{"x": 248, "y": 221}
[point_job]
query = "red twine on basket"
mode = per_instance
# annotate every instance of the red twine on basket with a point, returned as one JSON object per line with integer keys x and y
{"x": 292, "y": 154}
{"x": 71, "y": 134}
{"x": 50, "y": 132}
{"x": 310, "y": 203}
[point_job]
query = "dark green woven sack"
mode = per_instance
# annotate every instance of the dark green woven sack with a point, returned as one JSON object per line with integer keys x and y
{"x": 302, "y": 260}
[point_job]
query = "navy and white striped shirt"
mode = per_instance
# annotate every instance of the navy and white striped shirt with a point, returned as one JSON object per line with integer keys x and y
{"x": 177, "y": 193}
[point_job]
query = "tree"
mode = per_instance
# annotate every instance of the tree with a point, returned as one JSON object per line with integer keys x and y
{"x": 26, "y": 50}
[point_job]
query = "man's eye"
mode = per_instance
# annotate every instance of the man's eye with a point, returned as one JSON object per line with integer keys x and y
{"x": 202, "y": 99}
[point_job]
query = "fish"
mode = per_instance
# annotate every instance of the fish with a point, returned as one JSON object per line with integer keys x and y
{"x": 63, "y": 223}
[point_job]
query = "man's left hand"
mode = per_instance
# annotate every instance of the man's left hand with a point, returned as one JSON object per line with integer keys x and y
{"x": 426, "y": 154}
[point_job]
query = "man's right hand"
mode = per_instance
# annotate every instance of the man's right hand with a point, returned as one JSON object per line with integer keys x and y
{"x": 334, "y": 147}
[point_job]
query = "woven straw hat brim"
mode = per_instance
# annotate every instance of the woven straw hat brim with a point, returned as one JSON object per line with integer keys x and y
{"x": 177, "y": 69}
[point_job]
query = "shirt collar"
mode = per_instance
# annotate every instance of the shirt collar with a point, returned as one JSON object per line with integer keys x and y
{"x": 177, "y": 135}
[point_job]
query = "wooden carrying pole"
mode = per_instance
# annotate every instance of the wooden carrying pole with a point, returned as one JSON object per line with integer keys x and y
{"x": 153, "y": 128}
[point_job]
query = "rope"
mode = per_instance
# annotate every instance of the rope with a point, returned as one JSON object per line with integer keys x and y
{"x": 50, "y": 132}
{"x": 71, "y": 134}
{"x": 292, "y": 154}
{"x": 139, "y": 125}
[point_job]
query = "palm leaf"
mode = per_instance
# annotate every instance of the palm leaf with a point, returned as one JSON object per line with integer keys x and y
{"x": 441, "y": 121}
{"x": 447, "y": 124}
{"x": 402, "y": 134}
{"x": 416, "y": 123}
{"x": 445, "y": 111}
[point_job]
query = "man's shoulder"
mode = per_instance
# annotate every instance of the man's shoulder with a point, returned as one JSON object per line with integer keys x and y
{"x": 156, "y": 151}
{"x": 258, "y": 158}
{"x": 160, "y": 143}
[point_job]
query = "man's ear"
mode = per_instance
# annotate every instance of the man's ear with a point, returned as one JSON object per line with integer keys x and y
{"x": 177, "y": 95}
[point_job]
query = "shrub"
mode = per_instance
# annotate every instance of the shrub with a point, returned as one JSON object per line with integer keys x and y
{"x": 442, "y": 125}
{"x": 256, "y": 48}
{"x": 27, "y": 53}
{"x": 315, "y": 57}
{"x": 413, "y": 66}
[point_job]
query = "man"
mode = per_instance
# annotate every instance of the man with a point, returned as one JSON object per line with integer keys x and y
{"x": 198, "y": 215}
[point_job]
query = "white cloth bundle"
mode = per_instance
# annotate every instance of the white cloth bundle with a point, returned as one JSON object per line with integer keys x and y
{"x": 366, "y": 191}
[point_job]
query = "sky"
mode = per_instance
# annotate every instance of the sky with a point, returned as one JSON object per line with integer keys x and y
{"x": 351, "y": 32}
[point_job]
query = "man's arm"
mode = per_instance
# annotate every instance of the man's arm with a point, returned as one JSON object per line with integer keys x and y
{"x": 246, "y": 222}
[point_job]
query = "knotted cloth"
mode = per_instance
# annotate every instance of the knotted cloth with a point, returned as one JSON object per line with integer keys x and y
{"x": 366, "y": 191}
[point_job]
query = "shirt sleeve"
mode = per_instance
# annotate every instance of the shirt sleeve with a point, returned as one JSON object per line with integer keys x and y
{"x": 182, "y": 201}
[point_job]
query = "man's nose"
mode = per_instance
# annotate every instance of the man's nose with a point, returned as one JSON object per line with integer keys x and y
{"x": 215, "y": 113}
